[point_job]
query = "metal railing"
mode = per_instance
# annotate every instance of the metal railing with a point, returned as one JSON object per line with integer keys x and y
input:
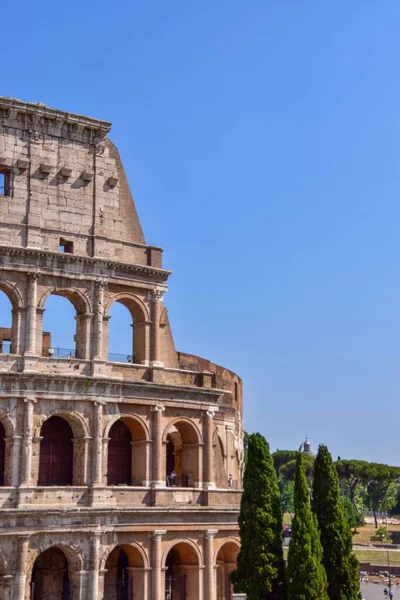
{"x": 123, "y": 358}
{"x": 56, "y": 352}
{"x": 62, "y": 353}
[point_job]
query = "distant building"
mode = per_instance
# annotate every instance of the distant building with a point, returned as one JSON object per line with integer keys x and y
{"x": 305, "y": 447}
{"x": 120, "y": 475}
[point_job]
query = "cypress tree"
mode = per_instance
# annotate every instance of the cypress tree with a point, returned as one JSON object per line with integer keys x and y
{"x": 260, "y": 565}
{"x": 340, "y": 563}
{"x": 306, "y": 577}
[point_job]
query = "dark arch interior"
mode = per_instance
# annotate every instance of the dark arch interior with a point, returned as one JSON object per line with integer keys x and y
{"x": 117, "y": 584}
{"x": 50, "y": 577}
{"x": 56, "y": 453}
{"x": 2, "y": 452}
{"x": 119, "y": 470}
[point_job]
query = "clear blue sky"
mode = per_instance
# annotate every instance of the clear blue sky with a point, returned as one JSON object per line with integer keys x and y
{"x": 262, "y": 144}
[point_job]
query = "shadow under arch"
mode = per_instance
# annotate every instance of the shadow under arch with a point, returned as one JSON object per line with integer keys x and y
{"x": 225, "y": 560}
{"x": 125, "y": 573}
{"x": 181, "y": 562}
{"x": 67, "y": 448}
{"x": 12, "y": 325}
{"x": 186, "y": 427}
{"x": 54, "y": 570}
{"x": 127, "y": 456}
{"x": 132, "y": 545}
{"x": 183, "y": 453}
{"x": 135, "y": 424}
{"x": 7, "y": 431}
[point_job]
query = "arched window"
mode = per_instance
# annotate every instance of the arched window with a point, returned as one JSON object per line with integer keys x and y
{"x": 181, "y": 574}
{"x": 182, "y": 455}
{"x": 124, "y": 578}
{"x": 120, "y": 334}
{"x": 56, "y": 453}
{"x": 127, "y": 326}
{"x": 50, "y": 576}
{"x": 119, "y": 470}
{"x": 226, "y": 562}
{"x": 59, "y": 328}
{"x": 2, "y": 452}
{"x": 6, "y": 346}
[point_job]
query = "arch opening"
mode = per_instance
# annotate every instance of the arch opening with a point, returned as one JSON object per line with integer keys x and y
{"x": 124, "y": 578}
{"x": 50, "y": 576}
{"x": 226, "y": 563}
{"x": 56, "y": 453}
{"x": 182, "y": 573}
{"x": 7, "y": 333}
{"x": 119, "y": 466}
{"x": 2, "y": 453}
{"x": 60, "y": 335}
{"x": 126, "y": 332}
{"x": 127, "y": 457}
{"x": 182, "y": 455}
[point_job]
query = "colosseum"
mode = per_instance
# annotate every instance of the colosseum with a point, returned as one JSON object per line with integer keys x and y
{"x": 120, "y": 475}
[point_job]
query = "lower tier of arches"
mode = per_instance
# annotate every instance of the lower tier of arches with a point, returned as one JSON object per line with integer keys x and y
{"x": 158, "y": 565}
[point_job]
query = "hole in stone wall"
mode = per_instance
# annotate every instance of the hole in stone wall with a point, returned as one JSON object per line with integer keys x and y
{"x": 66, "y": 246}
{"x": 4, "y": 182}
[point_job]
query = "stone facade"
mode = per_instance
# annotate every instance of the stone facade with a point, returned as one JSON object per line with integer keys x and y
{"x": 119, "y": 479}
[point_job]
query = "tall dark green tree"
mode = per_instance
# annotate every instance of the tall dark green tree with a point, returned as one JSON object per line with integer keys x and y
{"x": 340, "y": 563}
{"x": 260, "y": 565}
{"x": 306, "y": 578}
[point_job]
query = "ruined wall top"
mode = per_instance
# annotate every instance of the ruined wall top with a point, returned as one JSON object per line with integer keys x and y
{"x": 63, "y": 187}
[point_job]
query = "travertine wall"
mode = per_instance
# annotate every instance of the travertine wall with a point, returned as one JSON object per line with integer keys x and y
{"x": 66, "y": 185}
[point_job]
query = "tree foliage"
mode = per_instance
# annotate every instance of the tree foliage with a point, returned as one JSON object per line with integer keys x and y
{"x": 338, "y": 558}
{"x": 377, "y": 480}
{"x": 260, "y": 565}
{"x": 286, "y": 491}
{"x": 306, "y": 578}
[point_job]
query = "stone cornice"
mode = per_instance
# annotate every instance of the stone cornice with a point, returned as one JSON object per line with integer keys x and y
{"x": 112, "y": 265}
{"x": 37, "y": 113}
{"x": 83, "y": 387}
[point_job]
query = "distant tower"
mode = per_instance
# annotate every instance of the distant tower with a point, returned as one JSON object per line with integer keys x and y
{"x": 306, "y": 447}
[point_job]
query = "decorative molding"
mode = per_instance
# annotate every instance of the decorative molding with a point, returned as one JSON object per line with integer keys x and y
{"x": 33, "y": 277}
{"x": 157, "y": 295}
{"x": 73, "y": 259}
{"x": 158, "y": 408}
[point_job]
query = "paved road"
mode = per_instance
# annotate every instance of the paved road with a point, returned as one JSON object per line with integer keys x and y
{"x": 374, "y": 591}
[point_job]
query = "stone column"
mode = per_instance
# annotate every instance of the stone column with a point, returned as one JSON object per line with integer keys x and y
{"x": 209, "y": 453}
{"x": 83, "y": 335}
{"x": 26, "y": 475}
{"x": 30, "y": 325}
{"x": 16, "y": 330}
{"x": 98, "y": 320}
{"x": 78, "y": 580}
{"x": 22, "y": 556}
{"x": 13, "y": 446}
{"x": 95, "y": 559}
{"x": 158, "y": 478}
{"x": 156, "y": 571}
{"x": 80, "y": 456}
{"x": 97, "y": 471}
{"x": 156, "y": 298}
{"x": 209, "y": 563}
